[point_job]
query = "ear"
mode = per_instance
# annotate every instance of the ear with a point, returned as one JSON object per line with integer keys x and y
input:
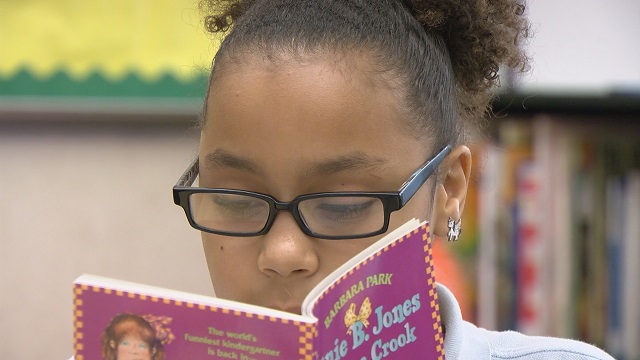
{"x": 451, "y": 190}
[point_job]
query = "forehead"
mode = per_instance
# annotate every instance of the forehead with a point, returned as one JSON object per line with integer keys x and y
{"x": 130, "y": 329}
{"x": 332, "y": 81}
{"x": 328, "y": 78}
{"x": 293, "y": 111}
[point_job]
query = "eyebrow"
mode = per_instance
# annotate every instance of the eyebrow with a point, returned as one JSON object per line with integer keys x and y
{"x": 352, "y": 161}
{"x": 223, "y": 158}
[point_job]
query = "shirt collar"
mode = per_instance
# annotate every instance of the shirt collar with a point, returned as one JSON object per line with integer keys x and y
{"x": 462, "y": 340}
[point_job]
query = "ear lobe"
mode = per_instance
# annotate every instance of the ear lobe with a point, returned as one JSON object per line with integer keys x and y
{"x": 451, "y": 191}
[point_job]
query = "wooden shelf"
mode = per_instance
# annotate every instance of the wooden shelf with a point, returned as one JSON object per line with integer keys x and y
{"x": 622, "y": 104}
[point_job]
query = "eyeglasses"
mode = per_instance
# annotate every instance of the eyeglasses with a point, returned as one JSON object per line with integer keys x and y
{"x": 327, "y": 215}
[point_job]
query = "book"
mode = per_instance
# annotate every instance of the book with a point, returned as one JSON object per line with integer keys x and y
{"x": 516, "y": 150}
{"x": 631, "y": 266}
{"x": 532, "y": 290}
{"x": 380, "y": 304}
{"x": 615, "y": 204}
{"x": 487, "y": 275}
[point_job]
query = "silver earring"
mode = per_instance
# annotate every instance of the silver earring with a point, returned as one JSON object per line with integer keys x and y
{"x": 455, "y": 229}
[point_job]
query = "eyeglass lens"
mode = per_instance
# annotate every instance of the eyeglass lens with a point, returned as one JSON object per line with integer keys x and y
{"x": 327, "y": 215}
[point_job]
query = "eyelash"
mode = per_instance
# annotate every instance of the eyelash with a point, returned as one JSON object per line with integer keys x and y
{"x": 235, "y": 208}
{"x": 347, "y": 211}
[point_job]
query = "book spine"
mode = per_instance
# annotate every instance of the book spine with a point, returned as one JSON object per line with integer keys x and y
{"x": 531, "y": 253}
{"x": 516, "y": 139}
{"x": 615, "y": 232}
{"x": 631, "y": 261}
{"x": 488, "y": 200}
{"x": 550, "y": 159}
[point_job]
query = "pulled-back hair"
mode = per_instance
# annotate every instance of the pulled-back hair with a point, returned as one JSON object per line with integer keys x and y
{"x": 443, "y": 55}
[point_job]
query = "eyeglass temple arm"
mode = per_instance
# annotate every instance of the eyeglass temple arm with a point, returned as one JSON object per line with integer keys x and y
{"x": 421, "y": 175}
{"x": 190, "y": 174}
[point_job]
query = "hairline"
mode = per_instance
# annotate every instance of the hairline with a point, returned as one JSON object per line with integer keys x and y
{"x": 386, "y": 77}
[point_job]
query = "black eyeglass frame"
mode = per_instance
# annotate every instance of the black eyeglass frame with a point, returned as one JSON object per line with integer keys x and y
{"x": 392, "y": 201}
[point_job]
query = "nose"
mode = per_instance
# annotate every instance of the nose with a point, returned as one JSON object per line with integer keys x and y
{"x": 286, "y": 251}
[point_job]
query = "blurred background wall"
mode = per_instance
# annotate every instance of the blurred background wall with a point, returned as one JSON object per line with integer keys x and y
{"x": 87, "y": 198}
{"x": 97, "y": 107}
{"x": 98, "y": 102}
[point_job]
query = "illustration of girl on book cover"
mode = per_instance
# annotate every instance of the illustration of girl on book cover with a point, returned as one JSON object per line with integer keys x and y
{"x": 134, "y": 337}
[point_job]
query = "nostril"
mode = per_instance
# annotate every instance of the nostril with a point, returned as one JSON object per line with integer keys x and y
{"x": 269, "y": 272}
{"x": 286, "y": 251}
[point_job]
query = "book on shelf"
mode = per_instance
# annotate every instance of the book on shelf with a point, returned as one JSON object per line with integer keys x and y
{"x": 630, "y": 324}
{"x": 489, "y": 186}
{"x": 616, "y": 190}
{"x": 380, "y": 304}
{"x": 531, "y": 250}
{"x": 623, "y": 246}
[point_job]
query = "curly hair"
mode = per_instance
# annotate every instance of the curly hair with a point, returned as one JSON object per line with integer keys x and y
{"x": 446, "y": 53}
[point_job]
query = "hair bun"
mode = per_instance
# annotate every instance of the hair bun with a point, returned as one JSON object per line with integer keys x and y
{"x": 479, "y": 36}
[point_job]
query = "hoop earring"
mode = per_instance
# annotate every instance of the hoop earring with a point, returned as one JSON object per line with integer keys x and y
{"x": 455, "y": 229}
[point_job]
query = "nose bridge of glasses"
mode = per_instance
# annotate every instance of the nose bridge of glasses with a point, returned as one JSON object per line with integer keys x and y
{"x": 281, "y": 205}
{"x": 290, "y": 207}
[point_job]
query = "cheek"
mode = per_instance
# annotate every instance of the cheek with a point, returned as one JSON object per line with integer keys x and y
{"x": 231, "y": 262}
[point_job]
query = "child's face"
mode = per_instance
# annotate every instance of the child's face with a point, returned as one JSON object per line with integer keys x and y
{"x": 132, "y": 347}
{"x": 289, "y": 129}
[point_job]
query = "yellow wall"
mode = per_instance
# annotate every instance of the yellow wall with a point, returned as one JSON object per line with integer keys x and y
{"x": 114, "y": 37}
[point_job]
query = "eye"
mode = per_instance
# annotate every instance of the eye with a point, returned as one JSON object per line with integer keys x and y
{"x": 238, "y": 206}
{"x": 345, "y": 211}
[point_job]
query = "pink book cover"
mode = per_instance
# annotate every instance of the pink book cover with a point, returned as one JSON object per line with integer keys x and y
{"x": 381, "y": 304}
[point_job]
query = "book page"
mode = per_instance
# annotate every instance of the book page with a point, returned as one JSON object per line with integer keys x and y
{"x": 384, "y": 307}
{"x": 185, "y": 326}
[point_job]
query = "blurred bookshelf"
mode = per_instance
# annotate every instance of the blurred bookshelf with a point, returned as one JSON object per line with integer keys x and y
{"x": 554, "y": 218}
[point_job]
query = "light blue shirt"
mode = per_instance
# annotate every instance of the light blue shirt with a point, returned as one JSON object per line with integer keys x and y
{"x": 465, "y": 341}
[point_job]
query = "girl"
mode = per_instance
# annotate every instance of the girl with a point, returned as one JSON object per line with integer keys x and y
{"x": 311, "y": 101}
